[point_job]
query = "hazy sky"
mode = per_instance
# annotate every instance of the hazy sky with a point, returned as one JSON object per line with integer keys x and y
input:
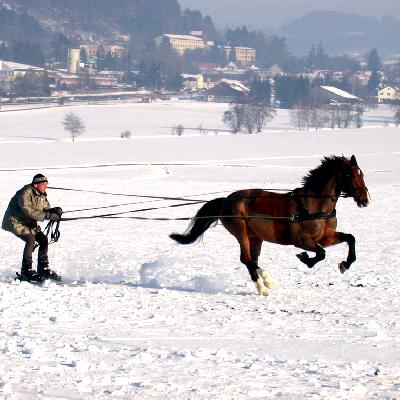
{"x": 273, "y": 13}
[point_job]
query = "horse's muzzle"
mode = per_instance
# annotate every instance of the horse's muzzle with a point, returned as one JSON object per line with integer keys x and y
{"x": 362, "y": 197}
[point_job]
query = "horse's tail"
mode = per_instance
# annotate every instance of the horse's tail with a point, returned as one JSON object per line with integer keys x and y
{"x": 205, "y": 217}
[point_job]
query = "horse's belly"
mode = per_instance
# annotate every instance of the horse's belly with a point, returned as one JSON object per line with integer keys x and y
{"x": 271, "y": 231}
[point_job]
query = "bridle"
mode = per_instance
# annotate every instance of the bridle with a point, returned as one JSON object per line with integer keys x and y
{"x": 354, "y": 192}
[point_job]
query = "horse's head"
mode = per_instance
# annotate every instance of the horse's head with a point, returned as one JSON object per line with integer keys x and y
{"x": 353, "y": 182}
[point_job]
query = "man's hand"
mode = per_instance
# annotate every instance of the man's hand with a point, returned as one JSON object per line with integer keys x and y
{"x": 52, "y": 216}
{"x": 56, "y": 210}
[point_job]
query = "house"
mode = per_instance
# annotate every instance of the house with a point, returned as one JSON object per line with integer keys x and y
{"x": 192, "y": 82}
{"x": 100, "y": 81}
{"x": 91, "y": 49}
{"x": 388, "y": 93}
{"x": 226, "y": 91}
{"x": 181, "y": 43}
{"x": 244, "y": 55}
{"x": 115, "y": 50}
{"x": 10, "y": 70}
{"x": 66, "y": 80}
{"x": 331, "y": 94}
{"x": 275, "y": 70}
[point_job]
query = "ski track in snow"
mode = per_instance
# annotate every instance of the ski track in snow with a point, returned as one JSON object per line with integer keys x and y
{"x": 142, "y": 317}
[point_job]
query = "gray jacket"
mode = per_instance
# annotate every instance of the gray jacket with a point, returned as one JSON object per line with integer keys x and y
{"x": 26, "y": 207}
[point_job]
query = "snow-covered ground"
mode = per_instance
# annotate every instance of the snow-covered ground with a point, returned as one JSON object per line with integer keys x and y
{"x": 143, "y": 317}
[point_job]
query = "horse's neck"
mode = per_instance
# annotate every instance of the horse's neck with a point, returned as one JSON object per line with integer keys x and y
{"x": 323, "y": 199}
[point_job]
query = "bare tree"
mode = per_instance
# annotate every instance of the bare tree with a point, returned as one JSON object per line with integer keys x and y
{"x": 74, "y": 125}
{"x": 301, "y": 117}
{"x": 126, "y": 134}
{"x": 305, "y": 117}
{"x": 251, "y": 116}
{"x": 397, "y": 117}
{"x": 264, "y": 113}
{"x": 358, "y": 115}
{"x": 234, "y": 117}
{"x": 178, "y": 130}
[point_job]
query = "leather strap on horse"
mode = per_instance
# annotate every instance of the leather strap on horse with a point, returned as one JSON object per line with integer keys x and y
{"x": 304, "y": 214}
{"x": 308, "y": 217}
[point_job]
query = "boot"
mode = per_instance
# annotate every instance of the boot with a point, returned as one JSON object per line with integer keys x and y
{"x": 43, "y": 269}
{"x": 27, "y": 273}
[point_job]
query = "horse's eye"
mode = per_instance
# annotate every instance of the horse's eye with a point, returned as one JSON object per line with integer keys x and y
{"x": 359, "y": 171}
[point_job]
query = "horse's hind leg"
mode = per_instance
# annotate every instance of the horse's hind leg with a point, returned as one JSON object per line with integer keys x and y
{"x": 250, "y": 259}
{"x": 255, "y": 250}
{"x": 248, "y": 256}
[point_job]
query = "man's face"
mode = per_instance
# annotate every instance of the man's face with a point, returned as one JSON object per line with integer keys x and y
{"x": 40, "y": 187}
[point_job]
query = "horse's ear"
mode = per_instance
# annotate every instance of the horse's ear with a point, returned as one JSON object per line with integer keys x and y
{"x": 353, "y": 160}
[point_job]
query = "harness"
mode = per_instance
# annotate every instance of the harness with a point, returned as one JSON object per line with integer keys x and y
{"x": 304, "y": 214}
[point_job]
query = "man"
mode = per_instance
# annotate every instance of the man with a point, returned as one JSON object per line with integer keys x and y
{"x": 28, "y": 206}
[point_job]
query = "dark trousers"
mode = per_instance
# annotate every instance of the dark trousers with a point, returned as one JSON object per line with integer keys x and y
{"x": 30, "y": 240}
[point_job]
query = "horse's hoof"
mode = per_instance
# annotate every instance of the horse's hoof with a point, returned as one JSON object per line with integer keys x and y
{"x": 269, "y": 284}
{"x": 343, "y": 267}
{"x": 303, "y": 257}
{"x": 263, "y": 292}
{"x": 263, "y": 274}
{"x": 261, "y": 289}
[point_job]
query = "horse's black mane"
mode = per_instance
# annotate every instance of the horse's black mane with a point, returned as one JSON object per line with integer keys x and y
{"x": 317, "y": 177}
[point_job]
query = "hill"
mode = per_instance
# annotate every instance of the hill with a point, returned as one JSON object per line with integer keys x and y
{"x": 99, "y": 16}
{"x": 343, "y": 33}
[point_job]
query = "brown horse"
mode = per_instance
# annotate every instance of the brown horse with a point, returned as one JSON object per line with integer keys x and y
{"x": 304, "y": 218}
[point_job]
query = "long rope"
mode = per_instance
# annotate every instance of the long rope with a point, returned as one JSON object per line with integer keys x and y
{"x": 184, "y": 198}
{"x": 135, "y": 195}
{"x": 131, "y": 211}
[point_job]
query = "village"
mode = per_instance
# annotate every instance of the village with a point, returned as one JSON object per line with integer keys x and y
{"x": 87, "y": 77}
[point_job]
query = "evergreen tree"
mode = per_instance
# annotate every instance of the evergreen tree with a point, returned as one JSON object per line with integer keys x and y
{"x": 232, "y": 55}
{"x": 83, "y": 55}
{"x": 260, "y": 90}
{"x": 311, "y": 61}
{"x": 373, "y": 83}
{"x": 374, "y": 61}
{"x": 100, "y": 58}
{"x": 290, "y": 91}
{"x": 58, "y": 50}
{"x": 32, "y": 85}
{"x": 374, "y": 65}
{"x": 27, "y": 53}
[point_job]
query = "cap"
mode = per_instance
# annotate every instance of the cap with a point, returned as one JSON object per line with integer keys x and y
{"x": 39, "y": 178}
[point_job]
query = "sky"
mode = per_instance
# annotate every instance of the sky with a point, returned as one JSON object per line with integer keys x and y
{"x": 273, "y": 13}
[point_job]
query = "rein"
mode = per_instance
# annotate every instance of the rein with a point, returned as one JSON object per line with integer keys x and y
{"x": 53, "y": 231}
{"x": 304, "y": 215}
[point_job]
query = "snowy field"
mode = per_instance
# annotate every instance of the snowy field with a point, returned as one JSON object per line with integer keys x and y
{"x": 143, "y": 317}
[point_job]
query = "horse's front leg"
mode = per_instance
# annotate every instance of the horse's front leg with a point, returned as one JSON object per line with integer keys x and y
{"x": 310, "y": 245}
{"x": 340, "y": 237}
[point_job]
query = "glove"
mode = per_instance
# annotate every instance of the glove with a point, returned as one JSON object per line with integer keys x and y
{"x": 52, "y": 216}
{"x": 56, "y": 210}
